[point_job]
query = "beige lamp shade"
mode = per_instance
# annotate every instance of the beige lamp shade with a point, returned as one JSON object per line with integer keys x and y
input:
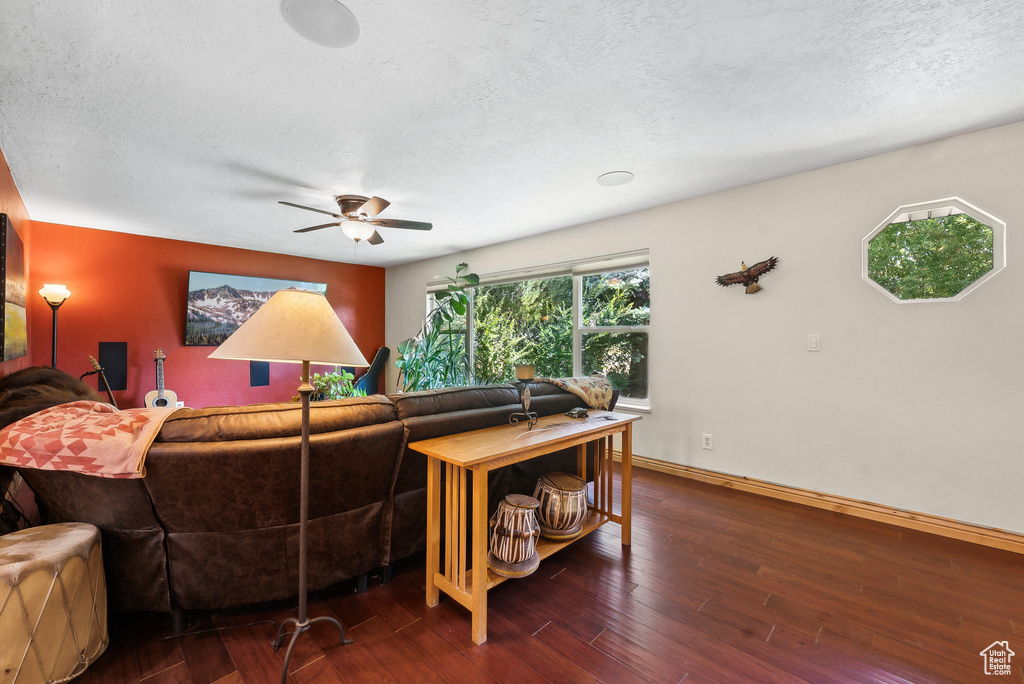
{"x": 292, "y": 327}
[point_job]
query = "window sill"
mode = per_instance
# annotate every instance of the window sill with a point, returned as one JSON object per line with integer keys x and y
{"x": 632, "y": 407}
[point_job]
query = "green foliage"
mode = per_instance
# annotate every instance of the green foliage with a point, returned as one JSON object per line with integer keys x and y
{"x": 499, "y": 346}
{"x": 335, "y": 385}
{"x": 617, "y": 298}
{"x": 930, "y": 258}
{"x": 531, "y": 322}
{"x": 523, "y": 322}
{"x": 622, "y": 357}
{"x": 437, "y": 356}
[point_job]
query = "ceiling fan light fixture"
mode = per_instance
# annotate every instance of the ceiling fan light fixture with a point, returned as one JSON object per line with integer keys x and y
{"x": 324, "y": 22}
{"x": 355, "y": 218}
{"x": 615, "y": 178}
{"x": 357, "y": 230}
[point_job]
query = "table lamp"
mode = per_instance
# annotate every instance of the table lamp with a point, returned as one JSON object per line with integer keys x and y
{"x": 296, "y": 326}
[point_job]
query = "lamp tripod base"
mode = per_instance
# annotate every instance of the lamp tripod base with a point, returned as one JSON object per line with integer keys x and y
{"x": 301, "y": 627}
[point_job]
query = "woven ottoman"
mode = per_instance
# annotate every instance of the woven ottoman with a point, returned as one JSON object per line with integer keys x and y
{"x": 53, "y": 603}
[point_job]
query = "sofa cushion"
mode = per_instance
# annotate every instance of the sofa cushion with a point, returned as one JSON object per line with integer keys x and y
{"x": 451, "y": 399}
{"x": 252, "y": 484}
{"x": 264, "y": 421}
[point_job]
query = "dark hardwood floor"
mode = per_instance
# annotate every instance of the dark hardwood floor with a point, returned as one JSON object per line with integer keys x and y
{"x": 718, "y": 586}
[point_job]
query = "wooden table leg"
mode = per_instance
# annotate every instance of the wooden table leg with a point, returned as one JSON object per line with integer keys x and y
{"x": 605, "y": 447}
{"x": 433, "y": 528}
{"x": 627, "y": 482}
{"x": 479, "y": 597}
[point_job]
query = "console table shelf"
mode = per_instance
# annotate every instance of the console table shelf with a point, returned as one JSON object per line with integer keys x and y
{"x": 481, "y": 451}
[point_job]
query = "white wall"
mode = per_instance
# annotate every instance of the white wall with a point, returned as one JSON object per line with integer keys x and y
{"x": 919, "y": 406}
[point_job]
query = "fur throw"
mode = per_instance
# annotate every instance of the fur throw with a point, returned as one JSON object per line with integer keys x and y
{"x": 30, "y": 390}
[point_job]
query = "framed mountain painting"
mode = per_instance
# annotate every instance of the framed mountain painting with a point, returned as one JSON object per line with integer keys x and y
{"x": 218, "y": 303}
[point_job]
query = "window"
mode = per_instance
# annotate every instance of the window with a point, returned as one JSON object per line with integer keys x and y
{"x": 589, "y": 319}
{"x": 616, "y": 311}
{"x": 935, "y": 251}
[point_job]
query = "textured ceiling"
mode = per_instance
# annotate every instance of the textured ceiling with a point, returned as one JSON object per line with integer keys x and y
{"x": 190, "y": 119}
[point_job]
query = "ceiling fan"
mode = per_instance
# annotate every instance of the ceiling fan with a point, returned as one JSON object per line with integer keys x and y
{"x": 356, "y": 218}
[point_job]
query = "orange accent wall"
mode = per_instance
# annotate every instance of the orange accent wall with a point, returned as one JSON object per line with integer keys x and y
{"x": 131, "y": 288}
{"x": 11, "y": 204}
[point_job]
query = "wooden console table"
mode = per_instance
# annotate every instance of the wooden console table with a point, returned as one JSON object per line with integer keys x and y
{"x": 481, "y": 451}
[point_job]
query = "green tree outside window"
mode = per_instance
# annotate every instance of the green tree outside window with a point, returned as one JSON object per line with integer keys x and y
{"x": 931, "y": 258}
{"x": 531, "y": 321}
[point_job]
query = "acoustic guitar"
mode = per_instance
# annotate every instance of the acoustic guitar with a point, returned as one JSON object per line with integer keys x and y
{"x": 160, "y": 397}
{"x": 97, "y": 368}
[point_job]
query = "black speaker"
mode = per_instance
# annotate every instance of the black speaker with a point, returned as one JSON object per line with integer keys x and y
{"x": 259, "y": 373}
{"x": 113, "y": 358}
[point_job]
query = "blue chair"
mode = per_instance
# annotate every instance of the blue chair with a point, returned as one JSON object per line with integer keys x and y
{"x": 368, "y": 380}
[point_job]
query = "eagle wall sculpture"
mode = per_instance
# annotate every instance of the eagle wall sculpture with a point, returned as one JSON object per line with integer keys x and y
{"x": 748, "y": 276}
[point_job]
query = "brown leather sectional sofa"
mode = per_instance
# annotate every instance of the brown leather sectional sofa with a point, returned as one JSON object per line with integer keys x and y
{"x": 214, "y": 524}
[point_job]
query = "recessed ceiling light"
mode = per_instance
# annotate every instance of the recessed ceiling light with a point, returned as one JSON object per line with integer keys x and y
{"x": 615, "y": 178}
{"x": 324, "y": 22}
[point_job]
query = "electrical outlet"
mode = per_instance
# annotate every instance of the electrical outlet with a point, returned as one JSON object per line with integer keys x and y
{"x": 179, "y": 404}
{"x": 705, "y": 441}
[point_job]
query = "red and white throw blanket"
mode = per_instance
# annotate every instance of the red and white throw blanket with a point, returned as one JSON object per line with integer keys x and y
{"x": 84, "y": 437}
{"x": 596, "y": 391}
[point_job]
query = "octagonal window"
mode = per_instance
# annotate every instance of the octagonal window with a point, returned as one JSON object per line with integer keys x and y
{"x": 933, "y": 251}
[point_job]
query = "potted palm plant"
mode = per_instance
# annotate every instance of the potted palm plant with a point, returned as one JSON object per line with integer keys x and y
{"x": 437, "y": 355}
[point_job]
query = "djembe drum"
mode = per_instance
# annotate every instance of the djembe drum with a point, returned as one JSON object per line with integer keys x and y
{"x": 563, "y": 506}
{"x": 514, "y": 530}
{"x": 53, "y": 603}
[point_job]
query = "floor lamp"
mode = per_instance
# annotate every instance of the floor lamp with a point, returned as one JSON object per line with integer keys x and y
{"x": 54, "y": 296}
{"x": 296, "y": 327}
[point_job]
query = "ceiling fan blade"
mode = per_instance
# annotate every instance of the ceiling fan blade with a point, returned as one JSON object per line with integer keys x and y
{"x": 375, "y": 239}
{"x": 373, "y": 206}
{"x": 399, "y": 223}
{"x": 319, "y": 211}
{"x": 325, "y": 225}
